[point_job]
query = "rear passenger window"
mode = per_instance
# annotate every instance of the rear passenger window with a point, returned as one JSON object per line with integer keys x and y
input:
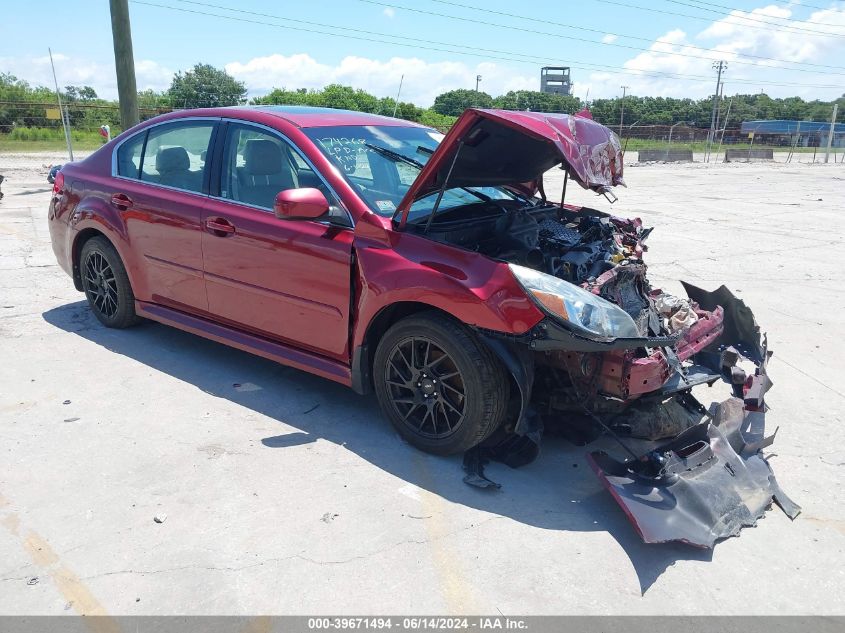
{"x": 175, "y": 155}
{"x": 129, "y": 156}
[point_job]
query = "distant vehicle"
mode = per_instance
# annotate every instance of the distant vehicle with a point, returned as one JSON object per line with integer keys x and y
{"x": 51, "y": 175}
{"x": 433, "y": 271}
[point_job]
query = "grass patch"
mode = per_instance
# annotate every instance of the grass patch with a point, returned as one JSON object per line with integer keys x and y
{"x": 636, "y": 144}
{"x": 35, "y": 139}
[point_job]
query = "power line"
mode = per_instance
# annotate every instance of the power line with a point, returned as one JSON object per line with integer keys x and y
{"x": 803, "y": 5}
{"x": 622, "y": 35}
{"x": 749, "y": 16}
{"x": 511, "y": 27}
{"x": 514, "y": 57}
{"x": 703, "y": 19}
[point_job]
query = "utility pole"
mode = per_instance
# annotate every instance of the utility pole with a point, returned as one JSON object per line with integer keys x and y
{"x": 62, "y": 113}
{"x": 622, "y": 109}
{"x": 719, "y": 111}
{"x": 830, "y": 133}
{"x": 724, "y": 127}
{"x": 398, "y": 92}
{"x": 124, "y": 63}
{"x": 477, "y": 96}
{"x": 719, "y": 67}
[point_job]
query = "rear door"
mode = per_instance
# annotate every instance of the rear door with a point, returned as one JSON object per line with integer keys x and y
{"x": 161, "y": 188}
{"x": 287, "y": 280}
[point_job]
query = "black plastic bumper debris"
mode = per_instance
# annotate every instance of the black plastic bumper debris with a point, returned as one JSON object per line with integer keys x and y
{"x": 705, "y": 485}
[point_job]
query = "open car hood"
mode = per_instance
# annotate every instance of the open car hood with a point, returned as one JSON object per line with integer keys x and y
{"x": 510, "y": 148}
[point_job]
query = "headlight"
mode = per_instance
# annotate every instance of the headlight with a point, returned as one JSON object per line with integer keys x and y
{"x": 582, "y": 309}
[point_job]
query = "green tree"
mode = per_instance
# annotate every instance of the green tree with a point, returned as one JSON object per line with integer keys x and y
{"x": 455, "y": 102}
{"x": 433, "y": 119}
{"x": 77, "y": 93}
{"x": 537, "y": 102}
{"x": 282, "y": 96}
{"x": 205, "y": 86}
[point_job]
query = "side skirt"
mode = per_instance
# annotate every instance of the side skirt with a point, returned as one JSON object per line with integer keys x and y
{"x": 284, "y": 354}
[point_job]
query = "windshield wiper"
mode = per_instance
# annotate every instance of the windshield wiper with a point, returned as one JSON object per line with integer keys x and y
{"x": 396, "y": 156}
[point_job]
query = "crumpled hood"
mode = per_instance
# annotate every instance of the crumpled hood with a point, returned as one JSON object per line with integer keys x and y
{"x": 509, "y": 148}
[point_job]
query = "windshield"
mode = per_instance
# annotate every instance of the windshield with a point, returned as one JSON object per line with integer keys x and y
{"x": 381, "y": 163}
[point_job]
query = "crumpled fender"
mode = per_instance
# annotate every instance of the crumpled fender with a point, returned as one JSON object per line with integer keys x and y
{"x": 740, "y": 326}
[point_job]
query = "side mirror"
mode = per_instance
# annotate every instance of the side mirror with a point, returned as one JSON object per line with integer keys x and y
{"x": 300, "y": 204}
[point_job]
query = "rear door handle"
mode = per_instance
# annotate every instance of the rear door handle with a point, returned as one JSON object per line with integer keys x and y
{"x": 220, "y": 225}
{"x": 121, "y": 201}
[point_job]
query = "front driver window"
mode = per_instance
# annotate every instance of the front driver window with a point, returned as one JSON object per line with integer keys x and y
{"x": 258, "y": 165}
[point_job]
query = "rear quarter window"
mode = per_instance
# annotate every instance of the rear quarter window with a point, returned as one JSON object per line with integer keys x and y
{"x": 129, "y": 157}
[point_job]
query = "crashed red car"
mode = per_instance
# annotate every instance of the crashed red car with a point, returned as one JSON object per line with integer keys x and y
{"x": 435, "y": 272}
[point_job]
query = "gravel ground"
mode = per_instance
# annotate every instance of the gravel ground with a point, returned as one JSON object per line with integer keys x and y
{"x": 279, "y": 492}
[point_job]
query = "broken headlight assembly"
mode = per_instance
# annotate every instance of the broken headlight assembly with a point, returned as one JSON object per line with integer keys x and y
{"x": 581, "y": 310}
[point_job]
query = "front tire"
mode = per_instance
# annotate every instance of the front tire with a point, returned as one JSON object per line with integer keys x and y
{"x": 440, "y": 386}
{"x": 106, "y": 284}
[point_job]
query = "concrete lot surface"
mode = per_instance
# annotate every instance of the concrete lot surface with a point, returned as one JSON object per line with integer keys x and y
{"x": 285, "y": 493}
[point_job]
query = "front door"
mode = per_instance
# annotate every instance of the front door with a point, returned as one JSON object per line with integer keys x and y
{"x": 288, "y": 280}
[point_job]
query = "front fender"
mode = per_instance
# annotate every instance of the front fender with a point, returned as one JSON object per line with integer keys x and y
{"x": 468, "y": 286}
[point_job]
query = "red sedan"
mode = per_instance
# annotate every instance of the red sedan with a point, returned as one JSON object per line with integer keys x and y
{"x": 433, "y": 271}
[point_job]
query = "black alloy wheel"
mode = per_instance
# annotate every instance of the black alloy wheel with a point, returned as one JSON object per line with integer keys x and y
{"x": 106, "y": 284}
{"x": 443, "y": 389}
{"x": 100, "y": 284}
{"x": 426, "y": 387}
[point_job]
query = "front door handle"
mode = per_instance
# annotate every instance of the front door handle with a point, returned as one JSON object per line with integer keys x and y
{"x": 121, "y": 201}
{"x": 220, "y": 225}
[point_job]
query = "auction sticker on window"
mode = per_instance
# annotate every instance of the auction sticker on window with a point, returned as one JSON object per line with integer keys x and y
{"x": 385, "y": 205}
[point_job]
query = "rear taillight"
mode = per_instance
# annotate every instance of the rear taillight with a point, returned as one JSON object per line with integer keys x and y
{"x": 58, "y": 184}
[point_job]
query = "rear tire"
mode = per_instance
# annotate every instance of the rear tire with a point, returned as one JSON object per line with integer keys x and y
{"x": 106, "y": 284}
{"x": 440, "y": 386}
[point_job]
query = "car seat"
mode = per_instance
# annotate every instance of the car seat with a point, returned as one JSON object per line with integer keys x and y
{"x": 267, "y": 170}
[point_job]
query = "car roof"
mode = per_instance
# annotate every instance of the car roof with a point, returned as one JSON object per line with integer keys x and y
{"x": 301, "y": 116}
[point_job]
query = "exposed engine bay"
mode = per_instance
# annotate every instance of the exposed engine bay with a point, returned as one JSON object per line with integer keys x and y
{"x": 601, "y": 253}
{"x": 674, "y": 451}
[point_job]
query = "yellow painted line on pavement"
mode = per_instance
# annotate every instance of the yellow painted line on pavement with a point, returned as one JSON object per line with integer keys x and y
{"x": 454, "y": 584}
{"x": 73, "y": 590}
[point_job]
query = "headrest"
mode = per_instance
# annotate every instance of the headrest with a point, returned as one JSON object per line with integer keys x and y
{"x": 262, "y": 157}
{"x": 172, "y": 159}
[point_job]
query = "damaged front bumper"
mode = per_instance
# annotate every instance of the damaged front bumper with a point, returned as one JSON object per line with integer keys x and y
{"x": 709, "y": 478}
{"x": 705, "y": 485}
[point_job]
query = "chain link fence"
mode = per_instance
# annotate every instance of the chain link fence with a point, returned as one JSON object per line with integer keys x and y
{"x": 39, "y": 124}
{"x": 684, "y": 142}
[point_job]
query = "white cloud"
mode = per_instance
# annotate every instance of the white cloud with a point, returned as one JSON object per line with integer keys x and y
{"x": 152, "y": 75}
{"x": 389, "y": 12}
{"x": 422, "y": 83}
{"x": 675, "y": 53}
{"x": 609, "y": 38}
{"x": 79, "y": 72}
{"x": 733, "y": 39}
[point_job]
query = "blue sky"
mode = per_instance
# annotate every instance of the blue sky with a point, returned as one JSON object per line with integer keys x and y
{"x": 608, "y": 45}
